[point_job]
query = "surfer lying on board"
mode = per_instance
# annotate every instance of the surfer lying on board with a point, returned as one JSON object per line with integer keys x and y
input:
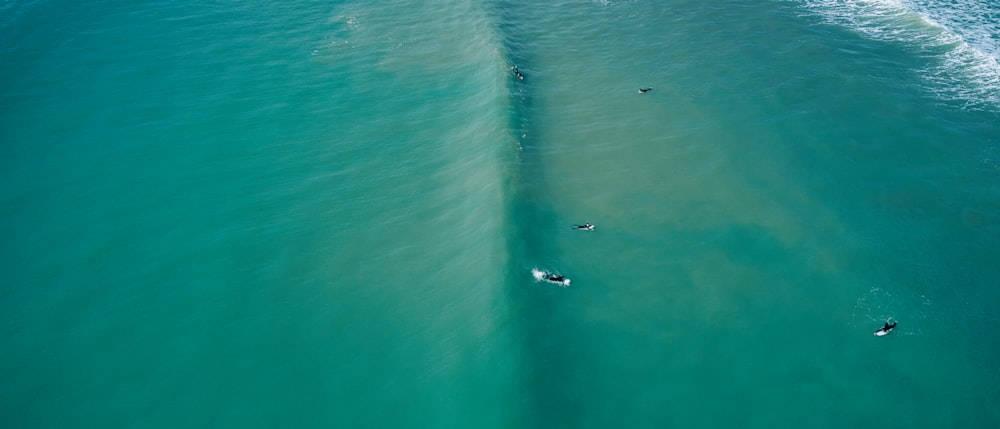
{"x": 517, "y": 73}
{"x": 886, "y": 329}
{"x": 555, "y": 278}
{"x": 584, "y": 227}
{"x": 645, "y": 90}
{"x": 541, "y": 275}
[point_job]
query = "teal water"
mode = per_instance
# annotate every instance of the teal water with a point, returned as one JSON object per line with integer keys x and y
{"x": 325, "y": 214}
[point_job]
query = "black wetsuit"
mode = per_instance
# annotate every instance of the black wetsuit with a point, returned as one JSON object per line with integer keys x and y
{"x": 888, "y": 327}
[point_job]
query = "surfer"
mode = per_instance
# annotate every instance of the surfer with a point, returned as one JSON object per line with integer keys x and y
{"x": 558, "y": 279}
{"x": 517, "y": 72}
{"x": 645, "y": 90}
{"x": 584, "y": 227}
{"x": 884, "y": 330}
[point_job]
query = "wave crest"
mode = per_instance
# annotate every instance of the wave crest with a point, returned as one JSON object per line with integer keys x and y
{"x": 959, "y": 41}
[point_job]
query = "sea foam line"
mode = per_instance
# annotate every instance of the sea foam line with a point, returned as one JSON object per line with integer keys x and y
{"x": 958, "y": 42}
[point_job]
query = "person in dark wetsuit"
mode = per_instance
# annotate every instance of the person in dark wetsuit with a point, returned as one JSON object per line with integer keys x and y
{"x": 585, "y": 227}
{"x": 555, "y": 278}
{"x": 645, "y": 90}
{"x": 884, "y": 330}
{"x": 517, "y": 73}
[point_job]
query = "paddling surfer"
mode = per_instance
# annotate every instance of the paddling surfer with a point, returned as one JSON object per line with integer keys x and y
{"x": 884, "y": 330}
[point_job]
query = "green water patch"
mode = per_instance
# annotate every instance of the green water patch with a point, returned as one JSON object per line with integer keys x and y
{"x": 238, "y": 217}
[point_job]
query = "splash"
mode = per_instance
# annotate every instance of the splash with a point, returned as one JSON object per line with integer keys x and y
{"x": 541, "y": 275}
{"x": 879, "y": 305}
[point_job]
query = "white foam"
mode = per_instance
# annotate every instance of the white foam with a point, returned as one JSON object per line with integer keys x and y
{"x": 975, "y": 21}
{"x": 961, "y": 40}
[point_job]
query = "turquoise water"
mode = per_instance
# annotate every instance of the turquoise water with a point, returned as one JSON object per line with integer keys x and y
{"x": 326, "y": 214}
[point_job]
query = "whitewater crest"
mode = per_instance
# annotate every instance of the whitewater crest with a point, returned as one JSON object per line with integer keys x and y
{"x": 959, "y": 41}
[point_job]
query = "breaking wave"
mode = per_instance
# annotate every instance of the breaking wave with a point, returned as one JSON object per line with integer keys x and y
{"x": 959, "y": 41}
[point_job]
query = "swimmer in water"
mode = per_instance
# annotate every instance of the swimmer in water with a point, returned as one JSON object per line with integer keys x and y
{"x": 645, "y": 90}
{"x": 884, "y": 330}
{"x": 584, "y": 227}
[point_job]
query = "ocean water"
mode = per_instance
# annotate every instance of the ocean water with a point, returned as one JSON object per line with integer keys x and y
{"x": 326, "y": 214}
